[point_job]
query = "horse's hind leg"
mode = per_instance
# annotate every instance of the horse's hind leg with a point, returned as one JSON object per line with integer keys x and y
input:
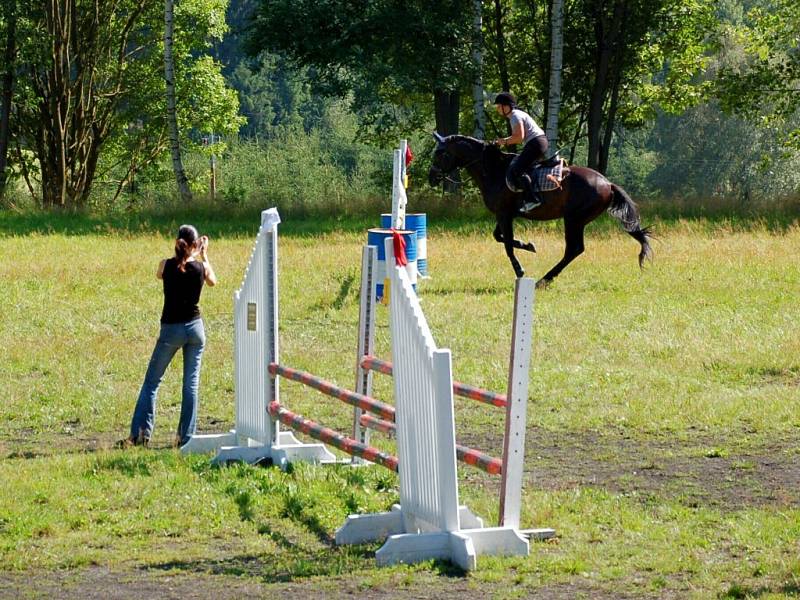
{"x": 573, "y": 234}
{"x": 527, "y": 246}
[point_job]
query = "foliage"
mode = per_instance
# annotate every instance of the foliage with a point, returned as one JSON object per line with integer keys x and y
{"x": 698, "y": 159}
{"x": 624, "y": 60}
{"x": 101, "y": 79}
{"x": 759, "y": 77}
{"x": 388, "y": 54}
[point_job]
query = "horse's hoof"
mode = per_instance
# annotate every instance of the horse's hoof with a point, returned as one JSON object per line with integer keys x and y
{"x": 543, "y": 284}
{"x": 529, "y": 247}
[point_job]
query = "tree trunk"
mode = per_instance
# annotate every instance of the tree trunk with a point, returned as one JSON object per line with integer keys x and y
{"x": 446, "y": 106}
{"x": 606, "y": 37}
{"x": 479, "y": 129}
{"x": 596, "y": 101}
{"x": 556, "y": 61}
{"x": 56, "y": 96}
{"x": 446, "y": 109}
{"x": 609, "y": 125}
{"x": 172, "y": 117}
{"x": 502, "y": 65}
{"x": 8, "y": 86}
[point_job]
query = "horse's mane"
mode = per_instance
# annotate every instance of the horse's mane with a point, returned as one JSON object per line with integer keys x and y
{"x": 493, "y": 157}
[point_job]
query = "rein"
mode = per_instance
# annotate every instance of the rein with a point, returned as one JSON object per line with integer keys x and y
{"x": 446, "y": 176}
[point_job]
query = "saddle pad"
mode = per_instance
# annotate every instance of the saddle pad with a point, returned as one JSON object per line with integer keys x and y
{"x": 546, "y": 179}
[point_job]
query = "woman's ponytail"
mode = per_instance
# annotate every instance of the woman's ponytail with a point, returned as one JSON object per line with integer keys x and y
{"x": 187, "y": 236}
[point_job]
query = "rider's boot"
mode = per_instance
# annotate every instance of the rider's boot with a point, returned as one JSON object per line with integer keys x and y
{"x": 532, "y": 199}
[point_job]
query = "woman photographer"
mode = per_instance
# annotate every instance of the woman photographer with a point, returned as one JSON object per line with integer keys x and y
{"x": 181, "y": 329}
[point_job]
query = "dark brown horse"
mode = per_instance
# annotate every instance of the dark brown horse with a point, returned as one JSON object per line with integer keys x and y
{"x": 583, "y": 196}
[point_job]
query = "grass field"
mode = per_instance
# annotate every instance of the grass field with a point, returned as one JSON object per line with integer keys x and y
{"x": 664, "y": 416}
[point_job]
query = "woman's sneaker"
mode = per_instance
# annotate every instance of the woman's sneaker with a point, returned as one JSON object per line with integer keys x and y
{"x": 535, "y": 198}
{"x": 130, "y": 442}
{"x": 529, "y": 206}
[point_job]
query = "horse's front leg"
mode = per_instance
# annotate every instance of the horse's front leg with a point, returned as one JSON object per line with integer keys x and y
{"x": 527, "y": 246}
{"x": 505, "y": 229}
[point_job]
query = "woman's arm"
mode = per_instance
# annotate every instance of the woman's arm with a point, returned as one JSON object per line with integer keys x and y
{"x": 160, "y": 272}
{"x": 516, "y": 137}
{"x": 210, "y": 276}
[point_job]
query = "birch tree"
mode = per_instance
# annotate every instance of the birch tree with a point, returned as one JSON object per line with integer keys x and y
{"x": 172, "y": 115}
{"x": 479, "y": 129}
{"x": 556, "y": 61}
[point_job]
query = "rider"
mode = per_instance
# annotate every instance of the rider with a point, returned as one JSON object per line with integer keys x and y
{"x": 523, "y": 130}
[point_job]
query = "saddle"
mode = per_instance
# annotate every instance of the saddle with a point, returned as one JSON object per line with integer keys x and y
{"x": 546, "y": 175}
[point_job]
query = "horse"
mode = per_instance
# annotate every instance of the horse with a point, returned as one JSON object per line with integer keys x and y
{"x": 582, "y": 196}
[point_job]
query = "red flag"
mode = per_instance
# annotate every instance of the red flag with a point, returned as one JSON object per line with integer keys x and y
{"x": 399, "y": 249}
{"x": 409, "y": 155}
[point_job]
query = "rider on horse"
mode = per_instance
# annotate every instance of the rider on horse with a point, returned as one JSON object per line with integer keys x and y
{"x": 523, "y": 130}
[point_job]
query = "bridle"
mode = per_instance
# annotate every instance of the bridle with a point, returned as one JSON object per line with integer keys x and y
{"x": 446, "y": 175}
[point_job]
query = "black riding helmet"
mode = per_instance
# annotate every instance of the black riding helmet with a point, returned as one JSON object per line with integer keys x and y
{"x": 505, "y": 98}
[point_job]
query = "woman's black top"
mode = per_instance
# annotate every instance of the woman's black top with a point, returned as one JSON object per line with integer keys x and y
{"x": 182, "y": 291}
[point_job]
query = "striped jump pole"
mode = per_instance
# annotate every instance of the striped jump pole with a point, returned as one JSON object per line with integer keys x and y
{"x": 385, "y": 411}
{"x": 470, "y": 456}
{"x": 331, "y": 437}
{"x": 459, "y": 389}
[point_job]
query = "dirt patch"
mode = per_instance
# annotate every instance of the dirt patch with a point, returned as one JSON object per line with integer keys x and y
{"x": 98, "y": 583}
{"x": 728, "y": 474}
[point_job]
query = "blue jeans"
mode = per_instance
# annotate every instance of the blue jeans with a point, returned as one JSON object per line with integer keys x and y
{"x": 190, "y": 337}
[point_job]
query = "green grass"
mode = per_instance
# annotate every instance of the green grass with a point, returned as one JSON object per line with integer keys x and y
{"x": 699, "y": 354}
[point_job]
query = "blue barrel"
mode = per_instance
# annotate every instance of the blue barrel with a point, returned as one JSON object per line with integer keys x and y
{"x": 414, "y": 222}
{"x": 376, "y": 237}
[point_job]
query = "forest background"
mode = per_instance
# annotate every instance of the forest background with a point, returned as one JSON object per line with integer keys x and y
{"x": 687, "y": 102}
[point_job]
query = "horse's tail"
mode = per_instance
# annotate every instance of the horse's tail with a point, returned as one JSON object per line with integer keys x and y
{"x": 625, "y": 210}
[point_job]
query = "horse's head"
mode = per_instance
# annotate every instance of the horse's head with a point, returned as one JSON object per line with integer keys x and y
{"x": 444, "y": 161}
{"x": 457, "y": 152}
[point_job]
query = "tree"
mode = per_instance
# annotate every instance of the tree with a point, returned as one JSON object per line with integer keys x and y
{"x": 387, "y": 53}
{"x": 479, "y": 129}
{"x": 92, "y": 100}
{"x": 172, "y": 115}
{"x": 625, "y": 58}
{"x": 76, "y": 75}
{"x": 556, "y": 62}
{"x": 641, "y": 55}
{"x": 697, "y": 161}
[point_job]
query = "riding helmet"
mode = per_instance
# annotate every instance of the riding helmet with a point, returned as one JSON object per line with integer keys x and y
{"x": 505, "y": 98}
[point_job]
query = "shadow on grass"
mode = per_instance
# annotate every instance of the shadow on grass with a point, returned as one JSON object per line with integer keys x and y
{"x": 465, "y": 216}
{"x": 294, "y": 564}
{"x": 128, "y": 464}
{"x": 218, "y": 222}
{"x": 473, "y": 290}
{"x": 290, "y": 564}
